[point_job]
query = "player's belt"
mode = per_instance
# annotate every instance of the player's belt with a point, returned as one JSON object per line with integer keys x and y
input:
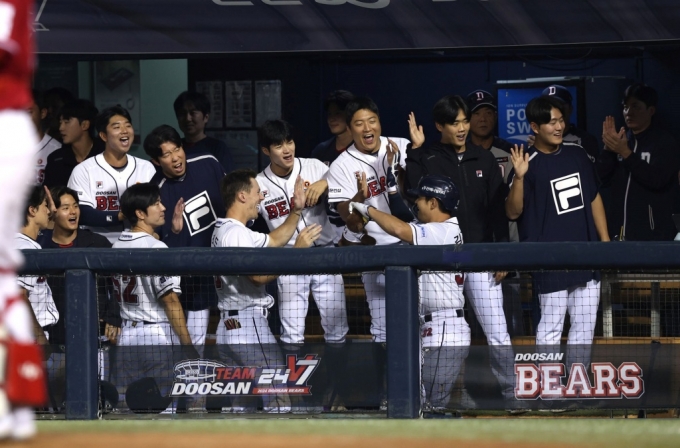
{"x": 443, "y": 313}
{"x": 134, "y": 323}
{"x": 246, "y": 312}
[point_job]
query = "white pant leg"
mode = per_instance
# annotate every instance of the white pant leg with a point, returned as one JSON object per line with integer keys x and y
{"x": 583, "y": 304}
{"x": 253, "y": 345}
{"x": 374, "y": 285}
{"x": 329, "y": 295}
{"x": 197, "y": 324}
{"x": 553, "y": 311}
{"x": 293, "y": 306}
{"x": 486, "y": 298}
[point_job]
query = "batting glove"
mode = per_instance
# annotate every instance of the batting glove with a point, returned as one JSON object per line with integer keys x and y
{"x": 360, "y": 208}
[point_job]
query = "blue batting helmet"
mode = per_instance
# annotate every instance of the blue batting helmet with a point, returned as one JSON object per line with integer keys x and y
{"x": 439, "y": 187}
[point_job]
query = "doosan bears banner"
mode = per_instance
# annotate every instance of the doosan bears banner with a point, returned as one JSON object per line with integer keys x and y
{"x": 157, "y": 27}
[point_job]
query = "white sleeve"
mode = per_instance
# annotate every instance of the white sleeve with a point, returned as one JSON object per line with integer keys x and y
{"x": 80, "y": 182}
{"x": 163, "y": 285}
{"x": 341, "y": 185}
{"x": 321, "y": 167}
{"x": 426, "y": 235}
{"x": 402, "y": 143}
{"x": 244, "y": 237}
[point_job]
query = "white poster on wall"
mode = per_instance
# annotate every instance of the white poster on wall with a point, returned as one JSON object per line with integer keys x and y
{"x": 118, "y": 83}
{"x": 239, "y": 104}
{"x": 267, "y": 101}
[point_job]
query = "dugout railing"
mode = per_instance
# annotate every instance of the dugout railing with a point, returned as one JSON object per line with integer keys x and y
{"x": 400, "y": 264}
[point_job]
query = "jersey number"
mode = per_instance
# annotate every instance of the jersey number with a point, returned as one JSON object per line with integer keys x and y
{"x": 124, "y": 287}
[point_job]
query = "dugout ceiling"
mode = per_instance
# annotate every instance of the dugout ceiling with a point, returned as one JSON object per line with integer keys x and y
{"x": 174, "y": 27}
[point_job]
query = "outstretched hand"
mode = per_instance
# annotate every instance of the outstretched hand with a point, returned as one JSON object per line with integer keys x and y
{"x": 299, "y": 195}
{"x": 520, "y": 161}
{"x": 307, "y": 236}
{"x": 50, "y": 203}
{"x": 615, "y": 141}
{"x": 415, "y": 131}
{"x": 178, "y": 217}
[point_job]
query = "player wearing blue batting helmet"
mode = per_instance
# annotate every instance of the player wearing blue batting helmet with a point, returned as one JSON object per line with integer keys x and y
{"x": 439, "y": 187}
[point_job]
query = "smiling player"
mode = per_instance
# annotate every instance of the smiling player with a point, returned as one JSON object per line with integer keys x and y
{"x": 101, "y": 180}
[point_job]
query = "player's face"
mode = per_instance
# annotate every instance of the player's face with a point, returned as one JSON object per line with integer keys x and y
{"x": 253, "y": 199}
{"x": 424, "y": 211}
{"x": 282, "y": 157}
{"x": 337, "y": 122}
{"x": 483, "y": 122}
{"x": 455, "y": 133}
{"x": 191, "y": 121}
{"x": 550, "y": 134}
{"x": 119, "y": 134}
{"x": 42, "y": 215}
{"x": 637, "y": 115}
{"x": 71, "y": 129}
{"x": 366, "y": 131}
{"x": 172, "y": 160}
{"x": 68, "y": 213}
{"x": 155, "y": 214}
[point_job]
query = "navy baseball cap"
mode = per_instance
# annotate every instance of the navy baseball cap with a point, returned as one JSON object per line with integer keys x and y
{"x": 559, "y": 92}
{"x": 480, "y": 98}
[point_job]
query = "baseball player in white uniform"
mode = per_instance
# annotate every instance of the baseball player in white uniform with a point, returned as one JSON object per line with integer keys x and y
{"x": 368, "y": 155}
{"x": 277, "y": 183}
{"x": 149, "y": 305}
{"x": 445, "y": 334}
{"x": 35, "y": 288}
{"x": 47, "y": 144}
{"x": 243, "y": 333}
{"x": 101, "y": 180}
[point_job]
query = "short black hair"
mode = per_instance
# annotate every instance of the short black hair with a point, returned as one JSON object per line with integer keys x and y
{"x": 138, "y": 197}
{"x": 642, "y": 92}
{"x": 80, "y": 109}
{"x": 58, "y": 192}
{"x": 446, "y": 110}
{"x": 233, "y": 183}
{"x": 56, "y": 97}
{"x": 102, "y": 120}
{"x": 159, "y": 135}
{"x": 538, "y": 109}
{"x": 274, "y": 132}
{"x": 340, "y": 98}
{"x": 359, "y": 103}
{"x": 36, "y": 196}
{"x": 199, "y": 101}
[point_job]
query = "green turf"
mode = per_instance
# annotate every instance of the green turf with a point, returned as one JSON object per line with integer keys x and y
{"x": 592, "y": 432}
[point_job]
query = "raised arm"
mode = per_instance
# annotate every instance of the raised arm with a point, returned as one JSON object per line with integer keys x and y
{"x": 514, "y": 205}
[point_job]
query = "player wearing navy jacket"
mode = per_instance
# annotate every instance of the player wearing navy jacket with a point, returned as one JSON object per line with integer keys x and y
{"x": 191, "y": 188}
{"x": 554, "y": 197}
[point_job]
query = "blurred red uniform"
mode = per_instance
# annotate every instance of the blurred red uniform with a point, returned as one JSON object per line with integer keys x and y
{"x": 18, "y": 140}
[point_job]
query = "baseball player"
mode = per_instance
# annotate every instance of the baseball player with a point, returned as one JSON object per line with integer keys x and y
{"x": 367, "y": 158}
{"x": 47, "y": 144}
{"x": 277, "y": 182}
{"x": 193, "y": 186}
{"x": 243, "y": 333}
{"x": 445, "y": 334}
{"x": 149, "y": 305}
{"x": 19, "y": 140}
{"x": 101, "y": 180}
{"x": 554, "y": 197}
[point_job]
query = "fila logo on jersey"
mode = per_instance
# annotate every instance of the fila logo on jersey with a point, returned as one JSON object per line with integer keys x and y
{"x": 567, "y": 193}
{"x": 265, "y": 193}
{"x": 479, "y": 173}
{"x": 100, "y": 184}
{"x": 206, "y": 377}
{"x": 199, "y": 213}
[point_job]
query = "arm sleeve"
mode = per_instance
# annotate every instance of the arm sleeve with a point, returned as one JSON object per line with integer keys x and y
{"x": 496, "y": 216}
{"x": 662, "y": 168}
{"x": 97, "y": 218}
{"x": 341, "y": 186}
{"x": 399, "y": 209}
{"x": 80, "y": 182}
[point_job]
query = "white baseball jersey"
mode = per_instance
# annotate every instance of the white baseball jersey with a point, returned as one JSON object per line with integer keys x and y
{"x": 237, "y": 292}
{"x": 278, "y": 193}
{"x": 46, "y": 147}
{"x": 100, "y": 186}
{"x": 39, "y": 292}
{"x": 439, "y": 290}
{"x": 139, "y": 296}
{"x": 342, "y": 181}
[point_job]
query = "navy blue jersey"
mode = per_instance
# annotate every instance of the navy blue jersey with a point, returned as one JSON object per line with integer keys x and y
{"x": 558, "y": 191}
{"x": 200, "y": 188}
{"x": 214, "y": 147}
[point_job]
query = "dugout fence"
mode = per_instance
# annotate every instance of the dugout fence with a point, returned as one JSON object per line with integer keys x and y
{"x": 634, "y": 350}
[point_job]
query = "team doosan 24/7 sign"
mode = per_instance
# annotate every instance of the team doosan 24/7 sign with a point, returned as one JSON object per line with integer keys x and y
{"x": 207, "y": 377}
